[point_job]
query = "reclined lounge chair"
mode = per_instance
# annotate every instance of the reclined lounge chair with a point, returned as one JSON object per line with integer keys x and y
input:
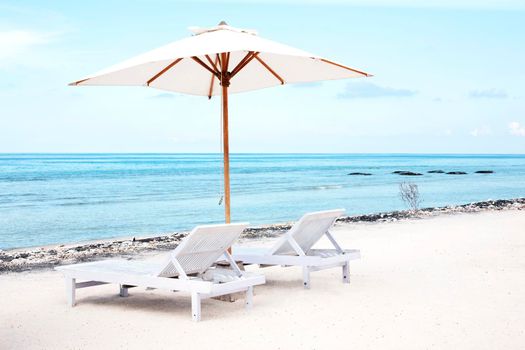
{"x": 189, "y": 268}
{"x": 295, "y": 248}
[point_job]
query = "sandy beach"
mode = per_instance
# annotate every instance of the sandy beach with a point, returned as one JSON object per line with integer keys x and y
{"x": 446, "y": 282}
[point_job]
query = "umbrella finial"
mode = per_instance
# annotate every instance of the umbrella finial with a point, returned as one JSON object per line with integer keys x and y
{"x": 221, "y": 26}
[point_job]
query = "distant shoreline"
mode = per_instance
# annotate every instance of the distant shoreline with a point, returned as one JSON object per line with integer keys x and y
{"x": 263, "y": 153}
{"x": 26, "y": 259}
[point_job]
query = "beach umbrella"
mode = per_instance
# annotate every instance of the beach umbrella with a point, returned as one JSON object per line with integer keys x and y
{"x": 221, "y": 60}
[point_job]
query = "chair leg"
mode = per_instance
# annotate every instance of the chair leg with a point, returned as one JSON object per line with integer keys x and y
{"x": 196, "y": 306}
{"x": 70, "y": 290}
{"x": 306, "y": 277}
{"x": 249, "y": 298}
{"x": 123, "y": 291}
{"x": 346, "y": 272}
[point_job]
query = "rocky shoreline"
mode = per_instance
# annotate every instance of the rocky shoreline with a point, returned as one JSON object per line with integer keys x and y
{"x": 489, "y": 205}
{"x": 47, "y": 257}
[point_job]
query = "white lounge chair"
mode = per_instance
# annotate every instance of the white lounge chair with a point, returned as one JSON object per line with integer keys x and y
{"x": 295, "y": 248}
{"x": 189, "y": 268}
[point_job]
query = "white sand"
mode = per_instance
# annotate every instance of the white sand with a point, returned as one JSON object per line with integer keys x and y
{"x": 451, "y": 282}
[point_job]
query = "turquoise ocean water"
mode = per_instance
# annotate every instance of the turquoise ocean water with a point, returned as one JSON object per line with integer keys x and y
{"x": 57, "y": 198}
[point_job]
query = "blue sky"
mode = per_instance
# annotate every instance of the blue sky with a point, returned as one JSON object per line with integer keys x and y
{"x": 448, "y": 78}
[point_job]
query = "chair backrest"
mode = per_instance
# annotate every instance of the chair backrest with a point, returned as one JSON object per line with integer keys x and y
{"x": 201, "y": 248}
{"x": 307, "y": 231}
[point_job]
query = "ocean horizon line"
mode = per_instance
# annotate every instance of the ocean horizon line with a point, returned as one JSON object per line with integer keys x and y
{"x": 268, "y": 153}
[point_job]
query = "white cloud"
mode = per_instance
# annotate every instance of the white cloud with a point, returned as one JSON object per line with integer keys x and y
{"x": 489, "y": 93}
{"x": 516, "y": 129}
{"x": 14, "y": 43}
{"x": 481, "y": 131}
{"x": 369, "y": 90}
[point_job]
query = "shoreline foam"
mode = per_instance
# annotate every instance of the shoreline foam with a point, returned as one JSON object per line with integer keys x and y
{"x": 24, "y": 259}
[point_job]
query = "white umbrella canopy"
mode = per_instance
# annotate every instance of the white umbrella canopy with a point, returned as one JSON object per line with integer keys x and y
{"x": 260, "y": 63}
{"x": 221, "y": 60}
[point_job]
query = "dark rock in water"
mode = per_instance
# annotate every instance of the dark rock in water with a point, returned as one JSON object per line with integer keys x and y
{"x": 397, "y": 172}
{"x": 363, "y": 174}
{"x": 406, "y": 173}
{"x": 456, "y": 173}
{"x": 435, "y": 172}
{"x": 484, "y": 172}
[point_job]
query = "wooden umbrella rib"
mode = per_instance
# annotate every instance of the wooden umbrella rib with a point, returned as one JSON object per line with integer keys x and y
{"x": 247, "y": 59}
{"x": 210, "y": 91}
{"x": 227, "y": 60}
{"x": 219, "y": 61}
{"x": 270, "y": 69}
{"x": 212, "y": 64}
{"x": 78, "y": 82}
{"x": 168, "y": 67}
{"x": 199, "y": 61}
{"x": 345, "y": 67}
{"x": 241, "y": 62}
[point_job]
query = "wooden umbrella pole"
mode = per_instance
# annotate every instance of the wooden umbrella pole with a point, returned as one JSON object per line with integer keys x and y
{"x": 225, "y": 82}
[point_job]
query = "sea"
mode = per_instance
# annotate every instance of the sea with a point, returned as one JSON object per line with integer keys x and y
{"x": 64, "y": 198}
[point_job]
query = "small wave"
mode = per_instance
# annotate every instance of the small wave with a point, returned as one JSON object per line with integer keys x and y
{"x": 18, "y": 195}
{"x": 89, "y": 202}
{"x": 328, "y": 187}
{"x": 9, "y": 179}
